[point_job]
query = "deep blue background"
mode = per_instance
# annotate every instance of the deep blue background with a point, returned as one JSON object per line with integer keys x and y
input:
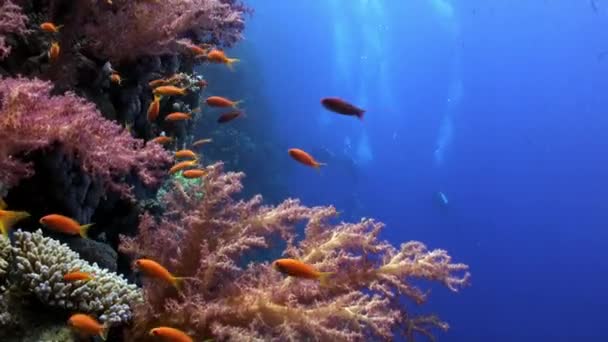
{"x": 526, "y": 168}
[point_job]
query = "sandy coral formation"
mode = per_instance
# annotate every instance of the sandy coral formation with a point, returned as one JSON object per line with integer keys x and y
{"x": 41, "y": 263}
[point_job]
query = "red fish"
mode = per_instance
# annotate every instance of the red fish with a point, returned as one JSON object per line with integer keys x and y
{"x": 340, "y": 106}
{"x": 226, "y": 117}
{"x": 86, "y": 325}
{"x": 196, "y": 173}
{"x": 169, "y": 334}
{"x": 77, "y": 275}
{"x": 218, "y": 56}
{"x": 154, "y": 109}
{"x": 304, "y": 158}
{"x": 50, "y": 27}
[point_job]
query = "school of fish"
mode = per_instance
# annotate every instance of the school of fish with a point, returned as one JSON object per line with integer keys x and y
{"x": 189, "y": 164}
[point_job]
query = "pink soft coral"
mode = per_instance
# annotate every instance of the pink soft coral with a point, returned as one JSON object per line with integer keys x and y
{"x": 12, "y": 21}
{"x": 129, "y": 29}
{"x": 31, "y": 119}
{"x": 207, "y": 238}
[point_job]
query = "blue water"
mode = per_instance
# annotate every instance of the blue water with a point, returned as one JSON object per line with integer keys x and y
{"x": 501, "y": 105}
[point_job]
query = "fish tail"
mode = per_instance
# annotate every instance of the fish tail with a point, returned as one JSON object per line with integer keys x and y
{"x": 324, "y": 278}
{"x": 237, "y": 103}
{"x": 360, "y": 114}
{"x": 2, "y": 204}
{"x": 84, "y": 229}
{"x": 7, "y": 222}
{"x": 3, "y": 230}
{"x": 57, "y": 28}
{"x": 230, "y": 63}
{"x": 178, "y": 282}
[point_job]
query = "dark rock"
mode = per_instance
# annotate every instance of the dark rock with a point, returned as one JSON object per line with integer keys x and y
{"x": 94, "y": 252}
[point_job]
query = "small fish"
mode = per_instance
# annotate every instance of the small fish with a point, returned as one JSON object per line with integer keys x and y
{"x": 219, "y": 57}
{"x": 227, "y": 117}
{"x": 202, "y": 142}
{"x": 196, "y": 110}
{"x": 154, "y": 109}
{"x": 54, "y": 51}
{"x": 88, "y": 326}
{"x": 196, "y": 173}
{"x": 77, "y": 275}
{"x": 155, "y": 270}
{"x": 9, "y": 218}
{"x": 162, "y": 140}
{"x": 177, "y": 116}
{"x": 197, "y": 50}
{"x": 186, "y": 154}
{"x": 64, "y": 224}
{"x": 298, "y": 269}
{"x": 221, "y": 102}
{"x": 169, "y": 334}
{"x": 304, "y": 158}
{"x": 340, "y": 106}
{"x": 202, "y": 84}
{"x": 50, "y": 27}
{"x": 182, "y": 165}
{"x": 115, "y": 78}
{"x": 170, "y": 90}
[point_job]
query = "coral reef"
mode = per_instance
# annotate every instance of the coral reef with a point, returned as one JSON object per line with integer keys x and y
{"x": 32, "y": 119}
{"x": 12, "y": 21}
{"x": 208, "y": 239}
{"x": 40, "y": 264}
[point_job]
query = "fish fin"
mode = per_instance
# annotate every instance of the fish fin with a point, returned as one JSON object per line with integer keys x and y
{"x": 324, "y": 278}
{"x": 360, "y": 114}
{"x": 58, "y": 27}
{"x": 2, "y": 204}
{"x": 104, "y": 331}
{"x": 84, "y": 229}
{"x": 230, "y": 63}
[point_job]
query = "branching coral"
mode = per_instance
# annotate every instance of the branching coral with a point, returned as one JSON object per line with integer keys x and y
{"x": 129, "y": 29}
{"x": 207, "y": 238}
{"x": 12, "y": 21}
{"x": 41, "y": 263}
{"x": 31, "y": 119}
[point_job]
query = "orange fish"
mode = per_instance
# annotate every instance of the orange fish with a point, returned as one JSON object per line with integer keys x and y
{"x": 154, "y": 109}
{"x": 76, "y": 275}
{"x": 64, "y": 224}
{"x": 222, "y": 102}
{"x": 196, "y": 173}
{"x": 162, "y": 140}
{"x": 115, "y": 78}
{"x": 170, "y": 91}
{"x": 185, "y": 154}
{"x": 54, "y": 51}
{"x": 155, "y": 270}
{"x": 88, "y": 326}
{"x": 182, "y": 165}
{"x": 202, "y": 142}
{"x": 304, "y": 158}
{"x": 177, "y": 116}
{"x": 9, "y": 218}
{"x": 169, "y": 334}
{"x": 218, "y": 56}
{"x": 298, "y": 269}
{"x": 226, "y": 117}
{"x": 50, "y": 27}
{"x": 340, "y": 106}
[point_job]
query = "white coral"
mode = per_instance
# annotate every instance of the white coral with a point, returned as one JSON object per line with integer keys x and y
{"x": 41, "y": 264}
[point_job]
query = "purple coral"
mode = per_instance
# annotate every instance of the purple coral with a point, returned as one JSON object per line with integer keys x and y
{"x": 206, "y": 239}
{"x": 12, "y": 21}
{"x": 32, "y": 119}
{"x": 129, "y": 29}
